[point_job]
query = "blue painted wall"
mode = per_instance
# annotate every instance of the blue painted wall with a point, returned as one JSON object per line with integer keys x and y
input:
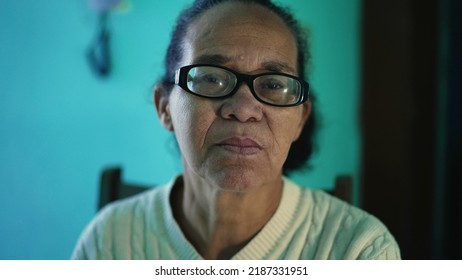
{"x": 60, "y": 125}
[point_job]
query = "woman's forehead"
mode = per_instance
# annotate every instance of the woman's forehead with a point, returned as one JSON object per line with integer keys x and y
{"x": 239, "y": 31}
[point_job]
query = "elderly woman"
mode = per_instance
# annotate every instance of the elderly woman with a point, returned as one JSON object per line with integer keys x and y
{"x": 235, "y": 98}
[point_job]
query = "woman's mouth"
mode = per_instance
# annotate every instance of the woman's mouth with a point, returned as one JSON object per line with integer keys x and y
{"x": 243, "y": 146}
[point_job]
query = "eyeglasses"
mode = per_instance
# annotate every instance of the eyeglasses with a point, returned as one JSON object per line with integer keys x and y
{"x": 212, "y": 81}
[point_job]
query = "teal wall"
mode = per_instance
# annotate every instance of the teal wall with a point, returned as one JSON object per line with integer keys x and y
{"x": 60, "y": 125}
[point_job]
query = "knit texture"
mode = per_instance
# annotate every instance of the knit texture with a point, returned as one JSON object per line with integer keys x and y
{"x": 308, "y": 224}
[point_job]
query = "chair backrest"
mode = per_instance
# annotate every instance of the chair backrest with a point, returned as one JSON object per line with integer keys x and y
{"x": 113, "y": 187}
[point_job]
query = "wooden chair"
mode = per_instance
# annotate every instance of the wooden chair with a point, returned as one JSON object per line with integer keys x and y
{"x": 113, "y": 187}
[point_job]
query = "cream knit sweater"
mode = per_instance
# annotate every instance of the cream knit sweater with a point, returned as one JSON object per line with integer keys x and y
{"x": 309, "y": 224}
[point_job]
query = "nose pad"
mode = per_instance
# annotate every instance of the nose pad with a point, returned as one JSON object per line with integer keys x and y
{"x": 242, "y": 105}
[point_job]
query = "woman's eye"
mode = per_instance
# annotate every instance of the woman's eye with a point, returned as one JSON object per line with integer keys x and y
{"x": 272, "y": 84}
{"x": 210, "y": 79}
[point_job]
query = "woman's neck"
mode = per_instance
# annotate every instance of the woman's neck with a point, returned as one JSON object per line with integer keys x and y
{"x": 219, "y": 223}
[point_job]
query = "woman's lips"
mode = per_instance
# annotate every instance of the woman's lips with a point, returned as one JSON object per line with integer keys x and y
{"x": 243, "y": 146}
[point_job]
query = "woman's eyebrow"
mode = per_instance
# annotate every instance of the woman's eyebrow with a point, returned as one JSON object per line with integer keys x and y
{"x": 219, "y": 59}
{"x": 212, "y": 59}
{"x": 277, "y": 66}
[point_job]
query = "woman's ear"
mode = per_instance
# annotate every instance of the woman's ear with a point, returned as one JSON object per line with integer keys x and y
{"x": 304, "y": 118}
{"x": 306, "y": 111}
{"x": 161, "y": 101}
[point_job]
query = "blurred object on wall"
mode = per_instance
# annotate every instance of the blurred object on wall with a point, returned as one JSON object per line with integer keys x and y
{"x": 103, "y": 5}
{"x": 99, "y": 52}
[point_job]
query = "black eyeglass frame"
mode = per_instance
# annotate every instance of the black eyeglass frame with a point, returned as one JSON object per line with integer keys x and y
{"x": 181, "y": 77}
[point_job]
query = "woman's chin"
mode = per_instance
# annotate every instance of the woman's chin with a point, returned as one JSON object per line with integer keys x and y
{"x": 241, "y": 181}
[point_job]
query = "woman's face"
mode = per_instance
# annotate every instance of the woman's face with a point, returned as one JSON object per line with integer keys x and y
{"x": 237, "y": 143}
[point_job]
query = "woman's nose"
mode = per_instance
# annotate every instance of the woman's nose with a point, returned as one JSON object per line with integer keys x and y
{"x": 242, "y": 106}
